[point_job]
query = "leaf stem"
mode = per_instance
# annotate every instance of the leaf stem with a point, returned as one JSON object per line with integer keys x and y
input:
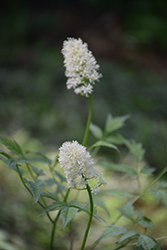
{"x": 55, "y": 221}
{"x": 22, "y": 180}
{"x": 88, "y": 121}
{"x": 31, "y": 173}
{"x": 90, "y": 217}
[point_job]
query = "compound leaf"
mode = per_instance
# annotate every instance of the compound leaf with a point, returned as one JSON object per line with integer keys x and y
{"x": 13, "y": 146}
{"x": 146, "y": 242}
{"x": 67, "y": 214}
{"x": 127, "y": 210}
{"x": 35, "y": 189}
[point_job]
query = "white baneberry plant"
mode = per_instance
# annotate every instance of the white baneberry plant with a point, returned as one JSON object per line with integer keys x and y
{"x": 78, "y": 163}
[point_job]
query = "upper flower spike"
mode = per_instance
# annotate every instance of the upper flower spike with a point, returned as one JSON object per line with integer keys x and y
{"x": 81, "y": 66}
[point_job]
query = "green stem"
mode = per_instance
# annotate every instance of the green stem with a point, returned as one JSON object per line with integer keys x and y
{"x": 88, "y": 122}
{"x": 55, "y": 221}
{"x": 31, "y": 173}
{"x": 90, "y": 217}
{"x": 138, "y": 176}
{"x": 22, "y": 180}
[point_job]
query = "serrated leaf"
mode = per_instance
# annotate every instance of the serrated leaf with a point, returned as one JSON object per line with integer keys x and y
{"x": 67, "y": 213}
{"x": 138, "y": 248}
{"x": 145, "y": 222}
{"x": 99, "y": 202}
{"x": 115, "y": 192}
{"x": 60, "y": 176}
{"x": 162, "y": 184}
{"x": 50, "y": 195}
{"x": 60, "y": 189}
{"x": 99, "y": 218}
{"x": 104, "y": 144}
{"x": 77, "y": 204}
{"x": 157, "y": 247}
{"x": 4, "y": 159}
{"x": 147, "y": 171}
{"x": 135, "y": 148}
{"x": 35, "y": 189}
{"x": 119, "y": 167}
{"x": 37, "y": 171}
{"x": 41, "y": 157}
{"x": 115, "y": 123}
{"x": 15, "y": 166}
{"x": 146, "y": 242}
{"x": 111, "y": 231}
{"x": 5, "y": 154}
{"x": 128, "y": 235}
{"x": 54, "y": 206}
{"x": 50, "y": 182}
{"x": 96, "y": 131}
{"x": 13, "y": 146}
{"x": 160, "y": 195}
{"x": 127, "y": 210}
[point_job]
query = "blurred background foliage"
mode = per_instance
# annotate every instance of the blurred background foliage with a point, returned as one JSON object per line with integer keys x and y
{"x": 128, "y": 39}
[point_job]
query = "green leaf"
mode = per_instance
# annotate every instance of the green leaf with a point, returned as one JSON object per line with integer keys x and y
{"x": 162, "y": 184}
{"x": 5, "y": 154}
{"x": 128, "y": 235}
{"x": 104, "y": 144}
{"x": 15, "y": 166}
{"x": 96, "y": 131}
{"x": 135, "y": 148}
{"x": 35, "y": 189}
{"x": 60, "y": 189}
{"x": 99, "y": 202}
{"x": 54, "y": 206}
{"x": 111, "y": 231}
{"x": 157, "y": 247}
{"x": 50, "y": 182}
{"x": 11, "y": 162}
{"x": 115, "y": 192}
{"x": 147, "y": 171}
{"x": 127, "y": 210}
{"x": 12, "y": 146}
{"x": 50, "y": 195}
{"x": 47, "y": 183}
{"x": 60, "y": 176}
{"x": 77, "y": 204}
{"x": 114, "y": 123}
{"x": 38, "y": 172}
{"x": 119, "y": 167}
{"x": 138, "y": 248}
{"x": 67, "y": 214}
{"x": 39, "y": 156}
{"x": 115, "y": 139}
{"x": 160, "y": 195}
{"x": 3, "y": 159}
{"x": 145, "y": 222}
{"x": 146, "y": 242}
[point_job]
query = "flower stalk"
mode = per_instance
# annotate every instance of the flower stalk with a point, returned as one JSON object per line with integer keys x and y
{"x": 90, "y": 217}
{"x": 88, "y": 121}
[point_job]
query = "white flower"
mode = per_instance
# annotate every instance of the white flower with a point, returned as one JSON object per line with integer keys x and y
{"x": 78, "y": 165}
{"x": 95, "y": 189}
{"x": 81, "y": 66}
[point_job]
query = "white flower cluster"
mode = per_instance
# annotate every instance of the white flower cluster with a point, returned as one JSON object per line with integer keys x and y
{"x": 81, "y": 66}
{"x": 78, "y": 166}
